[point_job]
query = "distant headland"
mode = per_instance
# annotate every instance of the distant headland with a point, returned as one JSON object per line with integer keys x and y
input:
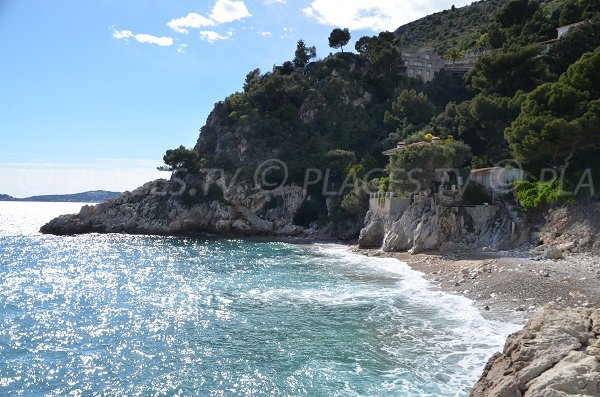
{"x": 94, "y": 196}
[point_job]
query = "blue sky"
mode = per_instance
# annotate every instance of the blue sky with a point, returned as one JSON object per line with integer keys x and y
{"x": 94, "y": 91}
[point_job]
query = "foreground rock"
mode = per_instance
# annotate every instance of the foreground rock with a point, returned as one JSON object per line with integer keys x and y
{"x": 556, "y": 354}
{"x": 176, "y": 206}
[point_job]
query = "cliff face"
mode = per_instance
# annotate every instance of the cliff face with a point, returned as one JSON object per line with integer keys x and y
{"x": 425, "y": 226}
{"x": 556, "y": 354}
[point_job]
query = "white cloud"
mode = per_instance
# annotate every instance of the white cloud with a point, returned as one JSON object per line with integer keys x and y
{"x": 377, "y": 16}
{"x": 228, "y": 11}
{"x": 223, "y": 11}
{"x": 181, "y": 48}
{"x": 264, "y": 33}
{"x": 122, "y": 34}
{"x": 212, "y": 36}
{"x": 162, "y": 41}
{"x": 269, "y": 2}
{"x": 148, "y": 38}
{"x": 191, "y": 20}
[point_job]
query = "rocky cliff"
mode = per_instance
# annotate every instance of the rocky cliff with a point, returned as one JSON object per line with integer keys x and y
{"x": 189, "y": 205}
{"x": 426, "y": 226}
{"x": 293, "y": 117}
{"x": 556, "y": 354}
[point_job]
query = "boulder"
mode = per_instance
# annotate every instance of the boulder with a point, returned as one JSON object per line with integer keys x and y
{"x": 556, "y": 354}
{"x": 449, "y": 247}
{"x": 553, "y": 253}
{"x": 371, "y": 236}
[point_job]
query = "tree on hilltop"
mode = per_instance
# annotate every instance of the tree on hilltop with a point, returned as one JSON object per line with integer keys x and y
{"x": 303, "y": 54}
{"x": 339, "y": 38}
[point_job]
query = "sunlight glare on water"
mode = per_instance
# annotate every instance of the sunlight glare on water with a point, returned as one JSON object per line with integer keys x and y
{"x": 141, "y": 315}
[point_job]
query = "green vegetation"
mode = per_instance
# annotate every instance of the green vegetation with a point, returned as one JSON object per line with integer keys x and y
{"x": 339, "y": 38}
{"x": 455, "y": 28}
{"x": 560, "y": 121}
{"x": 480, "y": 122}
{"x": 410, "y": 107}
{"x": 539, "y": 107}
{"x": 509, "y": 70}
{"x": 414, "y": 168}
{"x": 532, "y": 194}
{"x": 181, "y": 158}
{"x": 476, "y": 194}
{"x": 303, "y": 54}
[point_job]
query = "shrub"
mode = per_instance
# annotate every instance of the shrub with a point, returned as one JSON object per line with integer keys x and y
{"x": 532, "y": 194}
{"x": 476, "y": 194}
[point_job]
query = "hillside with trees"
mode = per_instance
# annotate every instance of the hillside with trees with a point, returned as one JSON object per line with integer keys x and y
{"x": 454, "y": 28}
{"x": 518, "y": 102}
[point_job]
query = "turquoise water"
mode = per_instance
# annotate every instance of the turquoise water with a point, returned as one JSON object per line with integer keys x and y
{"x": 162, "y": 316}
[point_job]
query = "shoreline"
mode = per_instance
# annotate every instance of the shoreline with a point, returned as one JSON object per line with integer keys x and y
{"x": 508, "y": 285}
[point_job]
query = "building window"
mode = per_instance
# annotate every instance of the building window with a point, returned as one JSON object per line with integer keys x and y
{"x": 427, "y": 56}
{"x": 429, "y": 65}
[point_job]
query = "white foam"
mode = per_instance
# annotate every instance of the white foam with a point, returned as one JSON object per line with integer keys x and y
{"x": 469, "y": 339}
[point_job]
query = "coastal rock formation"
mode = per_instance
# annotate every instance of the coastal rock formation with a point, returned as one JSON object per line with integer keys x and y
{"x": 574, "y": 227}
{"x": 178, "y": 206}
{"x": 556, "y": 354}
{"x": 371, "y": 236}
{"x": 425, "y": 226}
{"x": 279, "y": 128}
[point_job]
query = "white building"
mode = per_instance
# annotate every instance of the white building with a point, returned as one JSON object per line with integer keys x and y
{"x": 497, "y": 180}
{"x": 561, "y": 32}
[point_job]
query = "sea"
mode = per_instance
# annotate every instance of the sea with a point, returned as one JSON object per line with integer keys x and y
{"x": 125, "y": 315}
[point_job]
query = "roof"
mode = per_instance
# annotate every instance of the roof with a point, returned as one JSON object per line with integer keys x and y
{"x": 399, "y": 148}
{"x": 570, "y": 25}
{"x": 550, "y": 41}
{"x": 484, "y": 170}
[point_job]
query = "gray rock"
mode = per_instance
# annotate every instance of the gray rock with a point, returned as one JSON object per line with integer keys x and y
{"x": 425, "y": 227}
{"x": 86, "y": 211}
{"x": 163, "y": 207}
{"x": 568, "y": 246}
{"x": 556, "y": 354}
{"x": 574, "y": 226}
{"x": 371, "y": 236}
{"x": 553, "y": 253}
{"x": 448, "y": 247}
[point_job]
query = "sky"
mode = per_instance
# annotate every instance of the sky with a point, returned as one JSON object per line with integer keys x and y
{"x": 92, "y": 92}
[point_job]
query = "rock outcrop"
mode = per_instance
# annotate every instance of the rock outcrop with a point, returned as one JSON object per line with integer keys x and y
{"x": 177, "y": 206}
{"x": 572, "y": 227}
{"x": 371, "y": 236}
{"x": 556, "y": 354}
{"x": 425, "y": 226}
